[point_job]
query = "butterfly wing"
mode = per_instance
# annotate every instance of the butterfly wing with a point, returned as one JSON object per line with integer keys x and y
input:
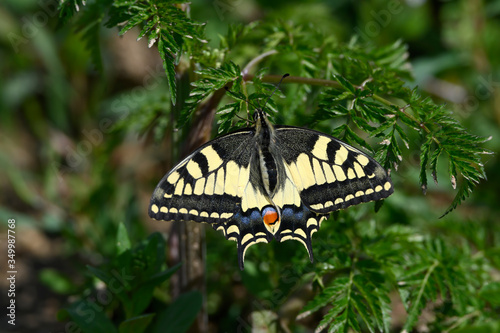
{"x": 330, "y": 174}
{"x": 207, "y": 185}
{"x": 213, "y": 185}
{"x": 220, "y": 184}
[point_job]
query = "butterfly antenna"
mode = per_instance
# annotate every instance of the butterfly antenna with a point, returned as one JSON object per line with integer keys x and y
{"x": 258, "y": 108}
{"x": 277, "y": 86}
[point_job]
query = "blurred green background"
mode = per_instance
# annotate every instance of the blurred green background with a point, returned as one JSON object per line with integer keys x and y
{"x": 69, "y": 176}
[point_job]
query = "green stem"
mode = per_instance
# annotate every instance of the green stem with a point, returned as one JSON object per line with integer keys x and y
{"x": 459, "y": 322}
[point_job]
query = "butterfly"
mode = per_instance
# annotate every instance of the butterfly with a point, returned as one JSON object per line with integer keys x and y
{"x": 266, "y": 182}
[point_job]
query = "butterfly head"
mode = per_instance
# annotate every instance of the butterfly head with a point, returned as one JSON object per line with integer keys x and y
{"x": 260, "y": 119}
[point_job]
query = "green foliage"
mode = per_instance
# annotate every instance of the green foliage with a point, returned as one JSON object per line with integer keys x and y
{"x": 164, "y": 22}
{"x": 71, "y": 180}
{"x": 130, "y": 280}
{"x": 366, "y": 96}
{"x": 424, "y": 271}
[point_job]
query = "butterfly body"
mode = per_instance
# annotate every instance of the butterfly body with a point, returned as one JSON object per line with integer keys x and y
{"x": 268, "y": 182}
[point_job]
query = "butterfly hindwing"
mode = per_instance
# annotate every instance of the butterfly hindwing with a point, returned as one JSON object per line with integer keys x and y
{"x": 328, "y": 173}
{"x": 206, "y": 186}
{"x": 247, "y": 229}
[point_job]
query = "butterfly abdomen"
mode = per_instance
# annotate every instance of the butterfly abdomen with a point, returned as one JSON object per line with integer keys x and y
{"x": 267, "y": 163}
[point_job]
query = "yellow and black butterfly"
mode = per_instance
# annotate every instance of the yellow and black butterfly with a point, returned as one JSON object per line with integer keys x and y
{"x": 268, "y": 181}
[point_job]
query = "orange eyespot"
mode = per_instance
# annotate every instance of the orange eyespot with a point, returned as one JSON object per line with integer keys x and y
{"x": 270, "y": 216}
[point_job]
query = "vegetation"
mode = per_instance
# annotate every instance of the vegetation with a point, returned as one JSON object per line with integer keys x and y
{"x": 89, "y": 131}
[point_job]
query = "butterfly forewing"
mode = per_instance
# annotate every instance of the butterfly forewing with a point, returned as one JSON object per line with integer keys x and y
{"x": 207, "y": 186}
{"x": 328, "y": 173}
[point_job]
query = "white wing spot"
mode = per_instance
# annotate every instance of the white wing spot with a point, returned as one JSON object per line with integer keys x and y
{"x": 231, "y": 181}
{"x": 188, "y": 190}
{"x": 174, "y": 176}
{"x": 317, "y": 206}
{"x": 300, "y": 232}
{"x": 210, "y": 185}
{"x": 194, "y": 169}
{"x": 359, "y": 170}
{"x": 213, "y": 158}
{"x": 341, "y": 155}
{"x": 387, "y": 186}
{"x": 330, "y": 177}
{"x": 226, "y": 215}
{"x": 232, "y": 229}
{"x": 154, "y": 209}
{"x": 219, "y": 182}
{"x": 363, "y": 160}
{"x": 246, "y": 238}
{"x": 311, "y": 221}
{"x": 306, "y": 173}
{"x": 349, "y": 197}
{"x": 378, "y": 188}
{"x": 318, "y": 172}
{"x": 179, "y": 188}
{"x": 199, "y": 187}
{"x": 339, "y": 173}
{"x": 320, "y": 147}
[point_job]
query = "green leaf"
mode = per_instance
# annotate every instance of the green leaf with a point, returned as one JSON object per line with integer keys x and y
{"x": 90, "y": 318}
{"x": 136, "y": 324}
{"x": 169, "y": 66}
{"x": 491, "y": 293}
{"x": 424, "y": 160}
{"x": 346, "y": 84}
{"x": 141, "y": 297}
{"x": 56, "y": 281}
{"x": 122, "y": 240}
{"x": 179, "y": 316}
{"x": 418, "y": 301}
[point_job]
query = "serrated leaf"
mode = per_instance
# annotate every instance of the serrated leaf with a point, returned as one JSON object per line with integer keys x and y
{"x": 424, "y": 160}
{"x": 418, "y": 301}
{"x": 169, "y": 66}
{"x": 346, "y": 84}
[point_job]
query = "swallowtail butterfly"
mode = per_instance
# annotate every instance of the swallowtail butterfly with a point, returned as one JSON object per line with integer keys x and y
{"x": 268, "y": 182}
